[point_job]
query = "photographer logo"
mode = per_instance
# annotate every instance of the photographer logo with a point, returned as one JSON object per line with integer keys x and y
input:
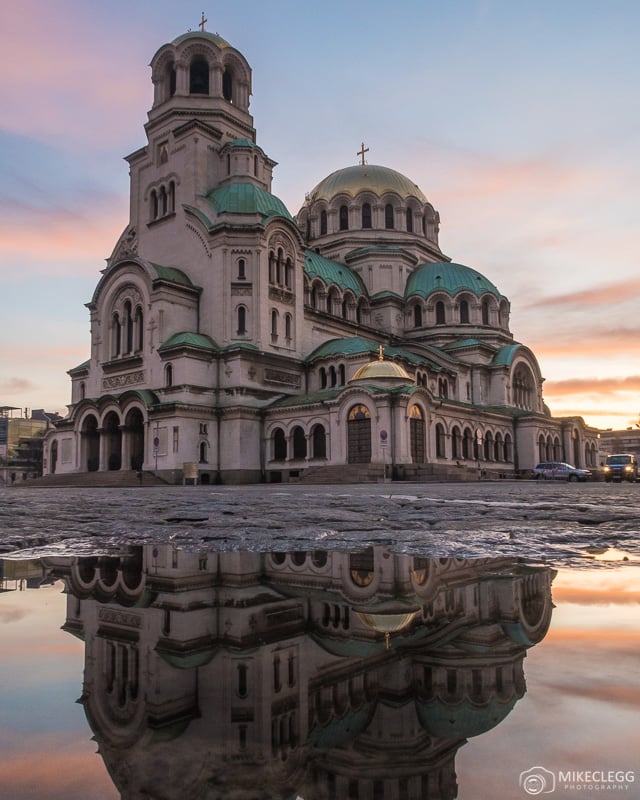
{"x": 537, "y": 780}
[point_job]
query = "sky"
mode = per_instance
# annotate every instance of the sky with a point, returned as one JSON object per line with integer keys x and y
{"x": 519, "y": 121}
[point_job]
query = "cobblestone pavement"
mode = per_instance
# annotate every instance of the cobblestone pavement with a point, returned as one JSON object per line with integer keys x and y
{"x": 562, "y": 523}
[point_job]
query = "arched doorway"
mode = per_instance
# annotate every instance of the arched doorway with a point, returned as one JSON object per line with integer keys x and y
{"x": 90, "y": 443}
{"x": 54, "y": 457}
{"x": 359, "y": 435}
{"x": 113, "y": 441}
{"x": 417, "y": 434}
{"x": 134, "y": 430}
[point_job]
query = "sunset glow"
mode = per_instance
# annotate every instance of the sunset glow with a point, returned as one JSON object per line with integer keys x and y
{"x": 531, "y": 162}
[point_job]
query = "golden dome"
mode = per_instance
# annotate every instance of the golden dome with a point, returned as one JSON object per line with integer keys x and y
{"x": 381, "y": 370}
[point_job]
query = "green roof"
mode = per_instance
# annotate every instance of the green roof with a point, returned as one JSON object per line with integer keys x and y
{"x": 444, "y": 276}
{"x": 316, "y": 266}
{"x": 188, "y": 339}
{"x": 504, "y": 357}
{"x": 356, "y": 345}
{"x": 172, "y": 274}
{"x": 308, "y": 399}
{"x": 212, "y": 37}
{"x": 242, "y": 143}
{"x": 247, "y": 198}
{"x": 81, "y": 367}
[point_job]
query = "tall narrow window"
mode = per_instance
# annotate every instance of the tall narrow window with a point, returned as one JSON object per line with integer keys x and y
{"x": 409, "y": 217}
{"x": 116, "y": 334}
{"x": 172, "y": 197}
{"x": 485, "y": 312}
{"x": 199, "y": 76}
{"x": 279, "y": 445}
{"x": 287, "y": 326}
{"x": 440, "y": 315}
{"x": 288, "y": 273}
{"x": 323, "y": 222}
{"x": 154, "y": 204}
{"x": 274, "y": 325}
{"x": 241, "y": 269}
{"x": 388, "y": 216}
{"x": 168, "y": 375}
{"x": 344, "y": 218}
{"x": 464, "y": 311}
{"x": 255, "y": 166}
{"x": 417, "y": 316}
{"x": 366, "y": 215}
{"x": 227, "y": 85}
{"x": 242, "y": 320}
{"x": 139, "y": 329}
{"x": 128, "y": 323}
{"x": 163, "y": 201}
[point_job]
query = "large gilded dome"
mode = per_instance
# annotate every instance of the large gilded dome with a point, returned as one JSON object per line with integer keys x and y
{"x": 366, "y": 178}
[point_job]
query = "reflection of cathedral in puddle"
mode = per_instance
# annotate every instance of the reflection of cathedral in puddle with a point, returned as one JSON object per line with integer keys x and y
{"x": 321, "y": 674}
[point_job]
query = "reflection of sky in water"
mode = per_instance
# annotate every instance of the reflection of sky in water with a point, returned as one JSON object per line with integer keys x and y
{"x": 580, "y": 710}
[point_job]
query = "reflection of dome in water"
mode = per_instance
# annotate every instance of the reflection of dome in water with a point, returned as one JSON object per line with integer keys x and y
{"x": 382, "y": 370}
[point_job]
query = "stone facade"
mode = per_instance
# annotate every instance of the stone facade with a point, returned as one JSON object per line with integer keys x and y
{"x": 226, "y": 334}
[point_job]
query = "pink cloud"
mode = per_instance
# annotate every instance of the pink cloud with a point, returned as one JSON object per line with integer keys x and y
{"x": 618, "y": 292}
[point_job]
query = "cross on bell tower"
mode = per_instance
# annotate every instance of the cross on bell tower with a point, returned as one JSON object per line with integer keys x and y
{"x": 202, "y": 21}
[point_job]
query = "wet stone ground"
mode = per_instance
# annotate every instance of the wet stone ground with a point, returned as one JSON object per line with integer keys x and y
{"x": 567, "y": 524}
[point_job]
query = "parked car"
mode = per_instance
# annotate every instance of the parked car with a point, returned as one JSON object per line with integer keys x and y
{"x": 621, "y": 467}
{"x": 560, "y": 471}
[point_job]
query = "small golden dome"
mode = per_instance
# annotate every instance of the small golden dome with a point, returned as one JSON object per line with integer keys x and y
{"x": 381, "y": 370}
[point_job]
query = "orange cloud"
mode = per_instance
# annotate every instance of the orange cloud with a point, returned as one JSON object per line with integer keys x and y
{"x": 588, "y": 342}
{"x": 62, "y": 236}
{"x": 618, "y": 292}
{"x": 570, "y": 594}
{"x": 589, "y": 385}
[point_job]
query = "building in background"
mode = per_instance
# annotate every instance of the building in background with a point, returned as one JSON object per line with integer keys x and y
{"x": 21, "y": 442}
{"x": 232, "y": 341}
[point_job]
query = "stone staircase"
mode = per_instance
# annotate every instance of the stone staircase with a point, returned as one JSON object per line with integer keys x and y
{"x": 340, "y": 473}
{"x": 116, "y": 479}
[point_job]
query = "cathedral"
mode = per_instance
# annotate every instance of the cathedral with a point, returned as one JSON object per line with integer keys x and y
{"x": 234, "y": 342}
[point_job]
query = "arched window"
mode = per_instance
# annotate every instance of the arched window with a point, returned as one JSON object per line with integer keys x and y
{"x": 274, "y": 325}
{"x": 116, "y": 334}
{"x": 341, "y": 375}
{"x": 323, "y": 378}
{"x": 388, "y": 216}
{"x": 168, "y": 375}
{"x": 345, "y": 307}
{"x": 228, "y": 164}
{"x": 344, "y": 218}
{"x": 467, "y": 443}
{"x": 203, "y": 452}
{"x": 314, "y": 297}
{"x": 242, "y": 320}
{"x": 287, "y": 326}
{"x": 523, "y": 388}
{"x": 154, "y": 204}
{"x": 199, "y": 76}
{"x": 440, "y": 315}
{"x": 139, "y": 329}
{"x": 440, "y": 441}
{"x": 417, "y": 316}
{"x": 333, "y": 379}
{"x": 288, "y": 272}
{"x": 508, "y": 448}
{"x": 272, "y": 267}
{"x": 366, "y": 215}
{"x": 128, "y": 324}
{"x": 323, "y": 222}
{"x": 279, "y": 445}
{"x": 319, "y": 441}
{"x": 255, "y": 166}
{"x": 498, "y": 448}
{"x": 242, "y": 680}
{"x": 488, "y": 446}
{"x": 299, "y": 443}
{"x": 409, "y": 220}
{"x": 171, "y": 75}
{"x": 464, "y": 311}
{"x": 279, "y": 266}
{"x": 485, "y": 312}
{"x": 456, "y": 441}
{"x": 227, "y": 85}
{"x": 241, "y": 269}
{"x": 417, "y": 434}
{"x": 163, "y": 201}
{"x": 172, "y": 197}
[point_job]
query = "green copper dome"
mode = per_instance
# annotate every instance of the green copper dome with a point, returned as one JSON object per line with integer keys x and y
{"x": 444, "y": 276}
{"x": 365, "y": 178}
{"x": 246, "y": 198}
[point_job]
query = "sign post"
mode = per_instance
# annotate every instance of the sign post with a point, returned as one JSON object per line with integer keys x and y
{"x": 384, "y": 442}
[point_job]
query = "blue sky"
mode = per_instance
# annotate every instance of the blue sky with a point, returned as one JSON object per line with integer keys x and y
{"x": 519, "y": 121}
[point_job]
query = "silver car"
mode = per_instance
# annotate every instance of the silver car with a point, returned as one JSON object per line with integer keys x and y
{"x": 560, "y": 471}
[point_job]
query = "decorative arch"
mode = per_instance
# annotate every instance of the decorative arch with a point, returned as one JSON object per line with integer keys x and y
{"x": 417, "y": 434}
